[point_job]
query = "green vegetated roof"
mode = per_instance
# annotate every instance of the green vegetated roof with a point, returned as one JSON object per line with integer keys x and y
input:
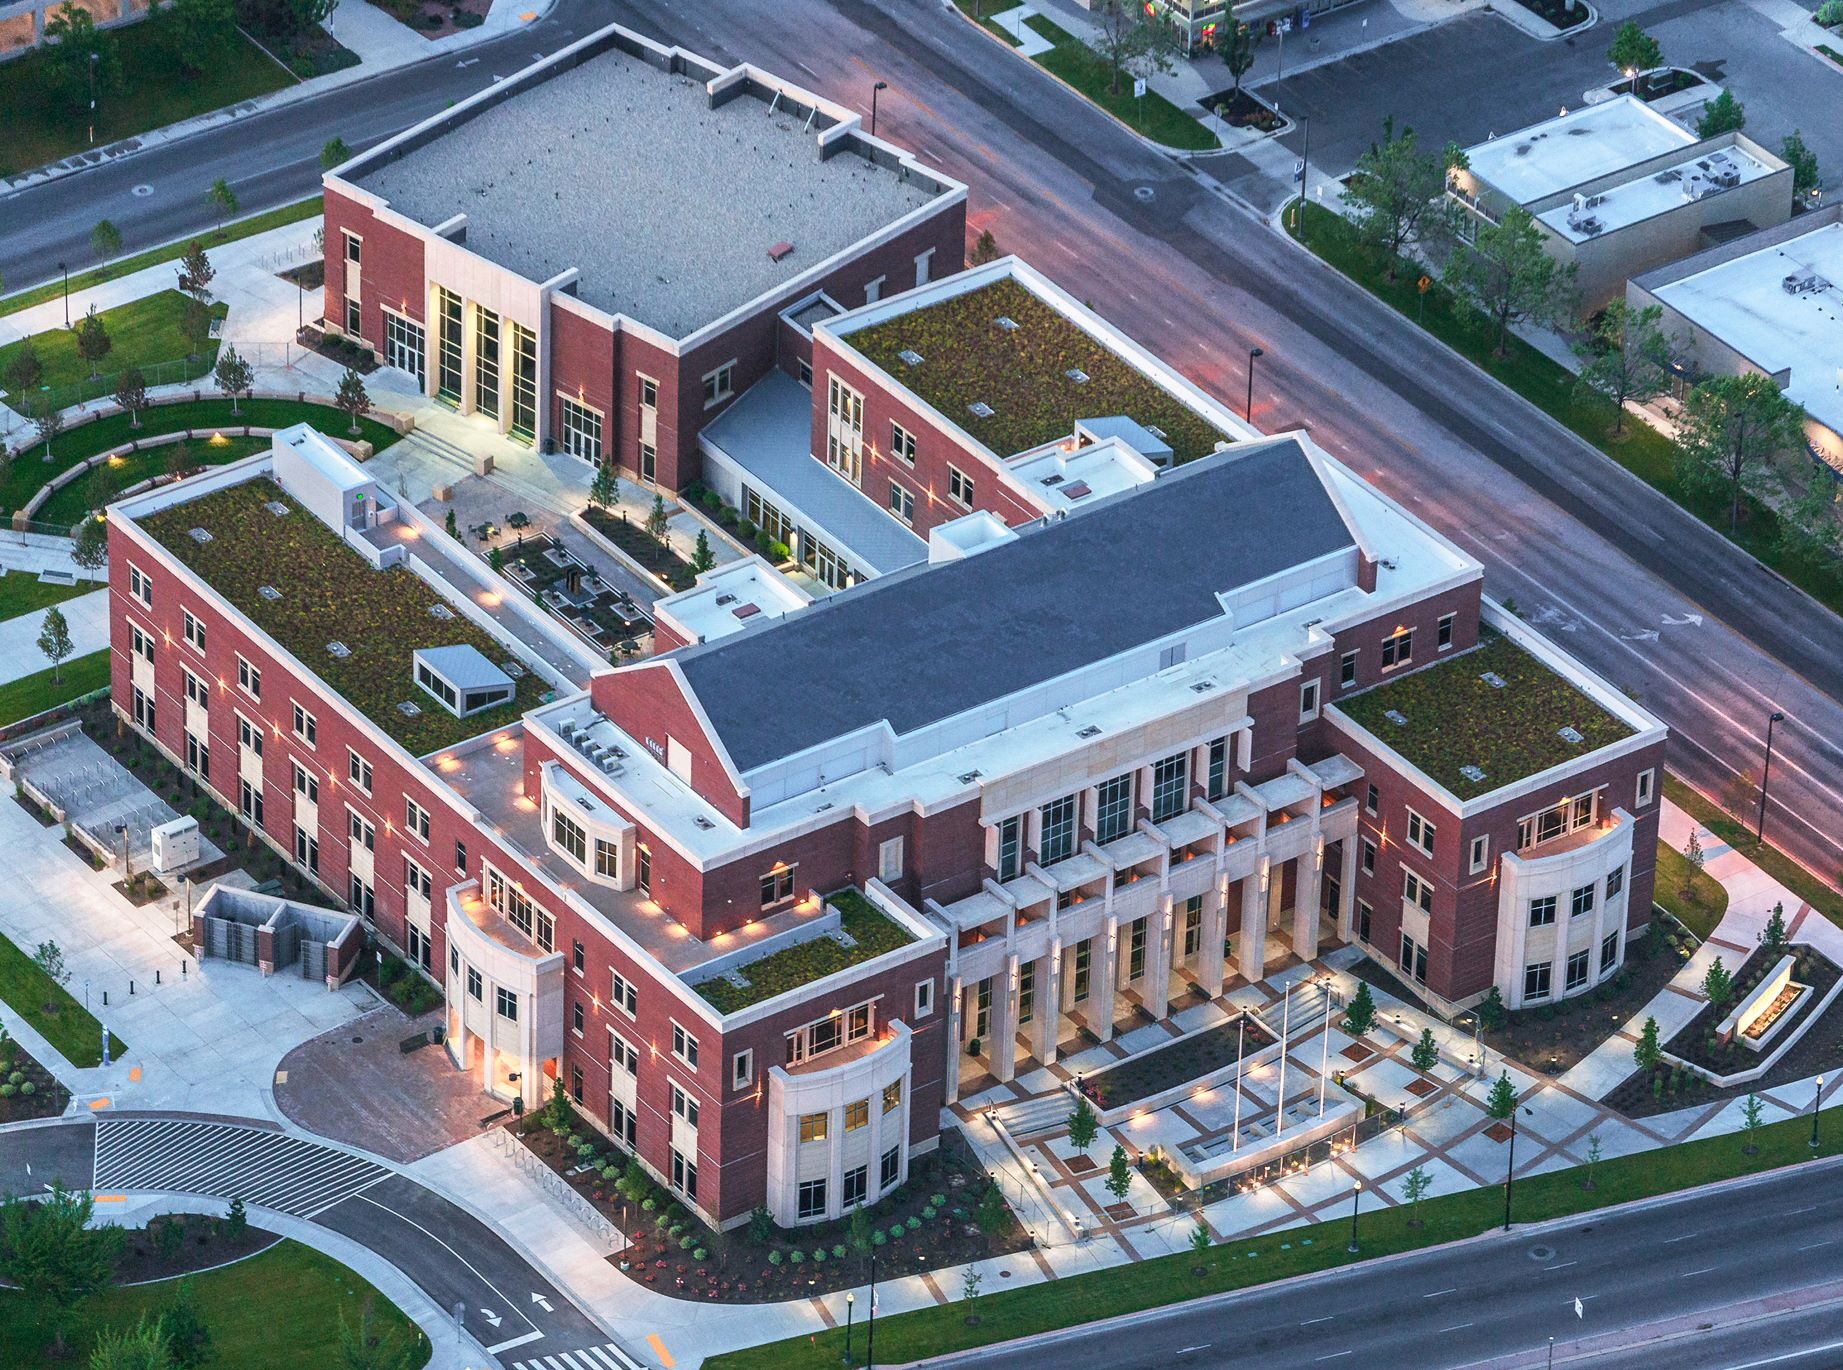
{"x": 873, "y": 931}
{"x": 329, "y": 593}
{"x": 1022, "y": 373}
{"x": 1455, "y": 717}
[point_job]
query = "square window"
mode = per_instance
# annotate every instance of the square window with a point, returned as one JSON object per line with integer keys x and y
{"x": 902, "y": 502}
{"x": 857, "y": 1114}
{"x": 1398, "y": 648}
{"x": 960, "y": 487}
{"x": 1542, "y": 912}
{"x": 1536, "y": 980}
{"x": 812, "y": 1198}
{"x": 813, "y": 1127}
{"x": 1582, "y": 902}
{"x": 506, "y": 1004}
{"x": 777, "y": 886}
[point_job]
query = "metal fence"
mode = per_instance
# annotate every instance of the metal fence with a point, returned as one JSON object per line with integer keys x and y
{"x": 178, "y": 371}
{"x": 560, "y": 1190}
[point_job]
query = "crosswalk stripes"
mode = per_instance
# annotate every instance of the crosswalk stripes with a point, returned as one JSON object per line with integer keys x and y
{"x": 266, "y": 1169}
{"x": 606, "y": 1357}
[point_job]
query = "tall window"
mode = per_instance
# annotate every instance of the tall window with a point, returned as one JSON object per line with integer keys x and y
{"x": 403, "y": 346}
{"x": 524, "y": 351}
{"x": 1113, "y": 808}
{"x": 960, "y": 487}
{"x": 1420, "y": 833}
{"x": 844, "y": 429}
{"x": 486, "y": 362}
{"x": 1010, "y": 862}
{"x": 1218, "y": 783}
{"x": 567, "y": 834}
{"x": 1057, "y": 842}
{"x": 448, "y": 346}
{"x": 582, "y": 430}
{"x": 902, "y": 443}
{"x": 1170, "y": 786}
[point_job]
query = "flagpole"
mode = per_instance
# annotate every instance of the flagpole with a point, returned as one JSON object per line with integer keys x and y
{"x": 1324, "y": 1053}
{"x": 1241, "y": 1053}
{"x": 1279, "y": 1102}
{"x": 870, "y": 1340}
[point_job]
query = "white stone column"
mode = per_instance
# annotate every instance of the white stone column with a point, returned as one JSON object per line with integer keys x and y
{"x": 1048, "y": 1010}
{"x": 1002, "y": 1052}
{"x": 1347, "y": 889}
{"x": 954, "y": 1006}
{"x": 470, "y": 355}
{"x": 1306, "y": 894}
{"x": 1251, "y": 954}
{"x": 1159, "y": 939}
{"x": 1209, "y": 953}
{"x": 1103, "y": 975}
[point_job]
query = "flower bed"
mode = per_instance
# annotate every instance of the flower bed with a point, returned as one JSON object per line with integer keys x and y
{"x": 1239, "y": 109}
{"x": 27, "y": 1089}
{"x": 869, "y": 927}
{"x": 176, "y": 1244}
{"x": 1562, "y": 15}
{"x": 948, "y": 1213}
{"x": 1167, "y": 1067}
{"x": 642, "y": 546}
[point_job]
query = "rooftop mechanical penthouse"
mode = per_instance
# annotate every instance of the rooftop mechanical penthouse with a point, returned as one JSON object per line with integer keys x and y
{"x": 765, "y": 903}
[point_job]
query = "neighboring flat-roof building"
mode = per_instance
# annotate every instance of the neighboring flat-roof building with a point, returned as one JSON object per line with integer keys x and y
{"x": 1771, "y": 302}
{"x": 592, "y": 252}
{"x": 1618, "y": 188}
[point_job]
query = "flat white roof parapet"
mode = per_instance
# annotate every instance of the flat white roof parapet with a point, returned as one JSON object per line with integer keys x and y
{"x": 1579, "y": 146}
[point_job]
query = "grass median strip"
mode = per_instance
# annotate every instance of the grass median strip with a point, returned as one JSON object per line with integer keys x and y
{"x": 48, "y": 1006}
{"x": 1767, "y": 857}
{"x": 21, "y": 592}
{"x": 35, "y": 693}
{"x": 1552, "y": 388}
{"x": 1244, "y": 1263}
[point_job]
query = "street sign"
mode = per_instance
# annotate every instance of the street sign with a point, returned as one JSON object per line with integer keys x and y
{"x": 1299, "y": 170}
{"x": 1139, "y": 87}
{"x": 1424, "y": 284}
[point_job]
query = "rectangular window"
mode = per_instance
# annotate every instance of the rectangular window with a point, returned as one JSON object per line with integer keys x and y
{"x": 473, "y": 983}
{"x": 1609, "y": 951}
{"x": 359, "y": 896}
{"x": 1579, "y": 968}
{"x": 902, "y": 502}
{"x": 684, "y": 1046}
{"x": 359, "y": 829}
{"x": 1010, "y": 862}
{"x": 720, "y": 384}
{"x": 1218, "y": 774}
{"x": 649, "y": 393}
{"x": 1481, "y": 853}
{"x": 924, "y": 998}
{"x": 856, "y": 1186}
{"x": 1413, "y": 959}
{"x": 1170, "y": 787}
{"x": 890, "y": 1167}
{"x": 582, "y": 430}
{"x": 567, "y": 835}
{"x": 403, "y": 346}
{"x": 198, "y": 757}
{"x": 524, "y": 350}
{"x": 960, "y": 487}
{"x": 621, "y": 990}
{"x": 1420, "y": 833}
{"x": 140, "y": 586}
{"x": 643, "y": 868}
{"x": 1398, "y": 648}
{"x": 1582, "y": 902}
{"x": 1443, "y": 635}
{"x": 304, "y": 726}
{"x": 505, "y": 1004}
{"x": 249, "y": 736}
{"x": 1365, "y": 915}
{"x": 902, "y": 443}
{"x": 578, "y": 959}
{"x": 358, "y": 771}
{"x": 415, "y": 820}
{"x": 649, "y": 463}
{"x": 684, "y": 1174}
{"x": 813, "y": 1127}
{"x": 1084, "y": 952}
{"x": 607, "y": 859}
{"x": 1542, "y": 912}
{"x": 194, "y": 631}
{"x": 1347, "y": 670}
{"x": 622, "y": 1055}
{"x": 197, "y": 692}
{"x": 892, "y": 1096}
{"x": 449, "y": 345}
{"x": 576, "y": 1017}
{"x": 250, "y": 678}
{"x": 1193, "y": 924}
{"x": 742, "y": 1069}
{"x": 777, "y": 886}
{"x": 460, "y": 857}
{"x": 1647, "y": 781}
{"x": 889, "y": 860}
{"x": 1372, "y": 800}
{"x": 576, "y": 1083}
{"x": 1308, "y": 701}
{"x": 1615, "y": 882}
{"x": 684, "y": 1106}
{"x": 1369, "y": 857}
{"x": 1536, "y": 980}
{"x": 1417, "y": 891}
{"x": 486, "y": 362}
{"x": 416, "y": 879}
{"x": 1026, "y": 992}
{"x": 812, "y": 1199}
{"x": 1057, "y": 842}
{"x": 1135, "y": 953}
{"x": 857, "y": 1114}
{"x": 1113, "y": 809}
{"x": 622, "y": 1123}
{"x": 352, "y": 248}
{"x": 249, "y": 801}
{"x": 306, "y": 849}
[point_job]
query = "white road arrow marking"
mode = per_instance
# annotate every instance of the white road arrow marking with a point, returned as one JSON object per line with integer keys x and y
{"x": 491, "y": 1316}
{"x": 466, "y": 62}
{"x": 1687, "y": 621}
{"x": 541, "y": 1302}
{"x": 1645, "y": 635}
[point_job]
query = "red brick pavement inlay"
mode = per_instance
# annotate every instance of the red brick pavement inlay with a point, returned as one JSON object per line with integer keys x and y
{"x": 1356, "y": 1051}
{"x": 1420, "y": 1089}
{"x": 1498, "y": 1132}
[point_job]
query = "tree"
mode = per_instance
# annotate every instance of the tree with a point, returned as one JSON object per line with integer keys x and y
{"x": 23, "y": 369}
{"x": 48, "y": 423}
{"x": 194, "y": 31}
{"x": 195, "y": 324}
{"x": 495, "y": 559}
{"x": 236, "y": 1219}
{"x": 334, "y": 153}
{"x": 1414, "y": 1187}
{"x": 970, "y": 1280}
{"x": 1426, "y": 1053}
{"x": 993, "y": 1214}
{"x": 1491, "y": 1010}
{"x": 605, "y": 489}
{"x": 105, "y": 239}
{"x": 658, "y": 524}
{"x": 1808, "y": 528}
{"x": 233, "y": 375}
{"x": 1732, "y": 428}
{"x": 89, "y": 544}
{"x": 702, "y": 558}
{"x": 1803, "y": 162}
{"x": 1200, "y": 1243}
{"x": 1083, "y": 1126}
{"x": 1119, "y": 1174}
{"x": 985, "y": 249}
{"x": 93, "y": 340}
{"x": 1625, "y": 357}
{"x": 1693, "y": 860}
{"x": 1362, "y": 1011}
{"x": 1646, "y": 1052}
{"x": 131, "y": 393}
{"x": 352, "y": 399}
{"x": 72, "y": 41}
{"x": 1634, "y": 50}
{"x": 51, "y": 1255}
{"x": 188, "y": 1336}
{"x": 362, "y": 1347}
{"x": 103, "y": 487}
{"x": 1718, "y": 985}
{"x": 1773, "y": 936}
{"x": 449, "y": 526}
{"x": 1594, "y": 1155}
{"x": 1393, "y": 192}
{"x": 1723, "y": 114}
{"x": 1509, "y": 275}
{"x": 1235, "y": 43}
{"x": 178, "y": 460}
{"x": 49, "y": 958}
{"x": 1130, "y": 41}
{"x": 145, "y": 1346}
{"x": 196, "y": 272}
{"x": 1501, "y": 1103}
{"x": 1830, "y": 13}
{"x": 222, "y": 199}
{"x": 1751, "y": 1109}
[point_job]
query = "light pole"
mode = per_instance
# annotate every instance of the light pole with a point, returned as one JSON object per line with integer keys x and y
{"x": 870, "y": 1336}
{"x": 1817, "y": 1102}
{"x": 850, "y": 1304}
{"x": 93, "y": 59}
{"x": 66, "y": 270}
{"x": 1248, "y": 408}
{"x": 1766, "y": 775}
{"x": 1356, "y": 1194}
{"x": 881, "y": 85}
{"x": 1510, "y": 1169}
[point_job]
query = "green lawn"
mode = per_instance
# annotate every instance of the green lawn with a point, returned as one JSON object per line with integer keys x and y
{"x": 170, "y": 252}
{"x": 279, "y": 1310}
{"x": 154, "y": 93}
{"x": 1238, "y": 1264}
{"x": 73, "y": 501}
{"x": 1078, "y": 64}
{"x": 1767, "y": 857}
{"x": 48, "y": 1006}
{"x": 23, "y": 476}
{"x": 1551, "y": 387}
{"x": 1696, "y": 898}
{"x": 24, "y": 593}
{"x": 145, "y": 333}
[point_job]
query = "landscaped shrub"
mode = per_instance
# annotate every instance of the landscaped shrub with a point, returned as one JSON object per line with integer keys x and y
{"x": 819, "y": 1255}
{"x": 775, "y": 1258}
{"x": 745, "y": 530}
{"x": 797, "y": 1257}
{"x": 838, "y": 1252}
{"x": 928, "y": 1212}
{"x": 878, "y": 1238}
{"x": 937, "y": 1201}
{"x": 686, "y": 1242}
{"x": 28, "y": 1088}
{"x": 8, "y": 1090}
{"x": 896, "y": 1231}
{"x": 648, "y": 1204}
{"x": 700, "y": 1254}
{"x": 912, "y": 1222}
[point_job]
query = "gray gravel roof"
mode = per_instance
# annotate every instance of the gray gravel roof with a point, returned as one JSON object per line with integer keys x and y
{"x": 666, "y": 206}
{"x": 934, "y": 641}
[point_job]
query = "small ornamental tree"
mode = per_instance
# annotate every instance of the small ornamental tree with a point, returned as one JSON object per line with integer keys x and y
{"x": 1119, "y": 1174}
{"x": 985, "y": 249}
{"x": 1733, "y": 426}
{"x": 1426, "y": 1053}
{"x": 223, "y": 201}
{"x": 1773, "y": 936}
{"x": 970, "y": 1280}
{"x": 1491, "y": 1010}
{"x": 1625, "y": 357}
{"x": 196, "y": 271}
{"x": 1235, "y": 44}
{"x": 993, "y": 1214}
{"x": 1200, "y": 1242}
{"x": 1501, "y": 1103}
{"x": 658, "y": 523}
{"x": 54, "y": 641}
{"x": 1751, "y": 1110}
{"x": 89, "y": 544}
{"x": 1646, "y": 1051}
{"x": 1634, "y": 51}
{"x": 1723, "y": 114}
{"x": 234, "y": 376}
{"x": 1694, "y": 860}
{"x": 49, "y": 958}
{"x": 702, "y": 558}
{"x": 1414, "y": 1187}
{"x": 1083, "y": 1126}
{"x": 1718, "y": 985}
{"x": 236, "y": 1219}
{"x": 1361, "y": 1014}
{"x": 449, "y": 526}
{"x": 105, "y": 240}
{"x": 131, "y": 393}
{"x": 47, "y": 423}
{"x": 1130, "y": 41}
{"x": 352, "y": 399}
{"x": 1803, "y": 162}
{"x": 333, "y": 153}
{"x": 23, "y": 369}
{"x": 1509, "y": 275}
{"x": 1393, "y": 191}
{"x": 1594, "y": 1155}
{"x": 93, "y": 340}
{"x": 195, "y": 324}
{"x": 605, "y": 489}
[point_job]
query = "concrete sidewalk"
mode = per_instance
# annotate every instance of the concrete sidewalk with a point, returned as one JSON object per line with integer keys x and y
{"x": 88, "y": 618}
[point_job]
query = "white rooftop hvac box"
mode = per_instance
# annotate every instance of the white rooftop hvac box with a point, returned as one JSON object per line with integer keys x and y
{"x": 324, "y": 479}
{"x": 175, "y": 845}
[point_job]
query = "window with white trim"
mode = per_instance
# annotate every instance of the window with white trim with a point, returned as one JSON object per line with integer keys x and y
{"x": 622, "y": 1054}
{"x": 1398, "y": 648}
{"x": 959, "y": 487}
{"x": 1443, "y": 633}
{"x": 1536, "y": 980}
{"x": 719, "y": 384}
{"x": 742, "y": 1069}
{"x": 358, "y": 771}
{"x": 249, "y": 736}
{"x": 777, "y": 885}
{"x": 924, "y": 998}
{"x": 140, "y": 587}
{"x": 1542, "y": 912}
{"x": 415, "y": 819}
{"x": 306, "y": 783}
{"x": 902, "y": 502}
{"x": 505, "y": 1003}
{"x": 1417, "y": 891}
{"x": 305, "y": 729}
{"x": 889, "y": 860}
{"x": 902, "y": 443}
{"x": 1420, "y": 833}
{"x": 1308, "y": 701}
{"x": 684, "y": 1046}
{"x": 1481, "y": 852}
{"x": 416, "y": 879}
{"x": 194, "y": 631}
{"x": 1170, "y": 786}
{"x": 1347, "y": 670}
{"x": 622, "y": 991}
{"x": 684, "y": 1105}
{"x": 1647, "y": 786}
{"x": 360, "y": 830}
{"x": 249, "y": 677}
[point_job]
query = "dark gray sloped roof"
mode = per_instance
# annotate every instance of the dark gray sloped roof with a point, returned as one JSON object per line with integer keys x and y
{"x": 935, "y": 641}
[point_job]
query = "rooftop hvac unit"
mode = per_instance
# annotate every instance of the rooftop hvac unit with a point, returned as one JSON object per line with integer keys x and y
{"x": 1804, "y": 281}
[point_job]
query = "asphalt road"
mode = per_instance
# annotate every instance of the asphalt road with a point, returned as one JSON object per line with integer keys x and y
{"x": 1676, "y": 1283}
{"x": 444, "y": 1250}
{"x": 1660, "y": 605}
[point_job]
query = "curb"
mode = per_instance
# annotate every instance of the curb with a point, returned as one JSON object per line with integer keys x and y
{"x": 1528, "y": 22}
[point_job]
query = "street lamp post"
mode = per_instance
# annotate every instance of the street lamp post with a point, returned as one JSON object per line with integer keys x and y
{"x": 1510, "y": 1169}
{"x": 1766, "y": 775}
{"x": 870, "y": 1335}
{"x": 881, "y": 85}
{"x": 66, "y": 270}
{"x": 850, "y": 1305}
{"x": 1817, "y": 1102}
{"x": 94, "y": 56}
{"x": 1248, "y": 407}
{"x": 1356, "y": 1194}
